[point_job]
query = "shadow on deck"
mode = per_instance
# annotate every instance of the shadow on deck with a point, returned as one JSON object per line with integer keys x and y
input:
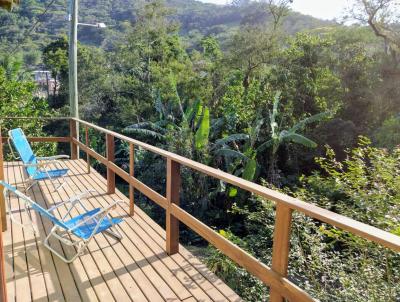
{"x": 134, "y": 269}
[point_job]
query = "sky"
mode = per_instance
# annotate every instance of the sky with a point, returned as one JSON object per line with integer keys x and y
{"x": 323, "y": 9}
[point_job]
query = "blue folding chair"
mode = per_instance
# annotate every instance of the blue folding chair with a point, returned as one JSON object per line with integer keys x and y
{"x": 36, "y": 167}
{"x": 83, "y": 227}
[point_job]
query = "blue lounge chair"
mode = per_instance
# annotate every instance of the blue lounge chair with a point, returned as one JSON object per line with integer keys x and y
{"x": 82, "y": 227}
{"x": 36, "y": 167}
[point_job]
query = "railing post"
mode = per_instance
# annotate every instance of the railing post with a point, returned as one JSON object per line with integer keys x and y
{"x": 73, "y": 134}
{"x": 132, "y": 174}
{"x": 110, "y": 157}
{"x": 280, "y": 250}
{"x": 3, "y": 284}
{"x": 3, "y": 227}
{"x": 2, "y": 201}
{"x": 87, "y": 145}
{"x": 173, "y": 189}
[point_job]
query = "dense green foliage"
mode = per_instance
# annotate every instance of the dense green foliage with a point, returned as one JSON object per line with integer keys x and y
{"x": 252, "y": 93}
{"x": 16, "y": 100}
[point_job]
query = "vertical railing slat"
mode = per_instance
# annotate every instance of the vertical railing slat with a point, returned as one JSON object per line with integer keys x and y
{"x": 280, "y": 251}
{"x": 87, "y": 145}
{"x": 73, "y": 134}
{"x": 3, "y": 227}
{"x": 110, "y": 157}
{"x": 2, "y": 201}
{"x": 173, "y": 189}
{"x": 132, "y": 174}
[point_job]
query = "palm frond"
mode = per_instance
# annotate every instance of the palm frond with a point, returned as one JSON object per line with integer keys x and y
{"x": 158, "y": 127}
{"x": 300, "y": 139}
{"x": 273, "y": 116}
{"x": 309, "y": 120}
{"x": 229, "y": 153}
{"x": 145, "y": 132}
{"x": 265, "y": 145}
{"x": 255, "y": 130}
{"x": 231, "y": 138}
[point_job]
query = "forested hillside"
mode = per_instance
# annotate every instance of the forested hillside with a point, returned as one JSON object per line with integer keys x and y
{"x": 307, "y": 107}
{"x": 35, "y": 23}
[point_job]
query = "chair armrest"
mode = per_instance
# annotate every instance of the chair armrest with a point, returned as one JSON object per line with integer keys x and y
{"x": 50, "y": 158}
{"x": 102, "y": 214}
{"x": 38, "y": 165}
{"x": 73, "y": 199}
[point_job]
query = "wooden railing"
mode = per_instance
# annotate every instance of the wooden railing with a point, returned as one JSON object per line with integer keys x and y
{"x": 276, "y": 276}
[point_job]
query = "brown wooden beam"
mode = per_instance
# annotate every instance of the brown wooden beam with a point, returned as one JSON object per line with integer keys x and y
{"x": 363, "y": 230}
{"x": 43, "y": 139}
{"x": 110, "y": 158}
{"x": 3, "y": 228}
{"x": 3, "y": 284}
{"x": 242, "y": 258}
{"x": 138, "y": 185}
{"x": 173, "y": 189}
{"x": 87, "y": 145}
{"x": 280, "y": 250}
{"x": 132, "y": 174}
{"x": 2, "y": 200}
{"x": 73, "y": 135}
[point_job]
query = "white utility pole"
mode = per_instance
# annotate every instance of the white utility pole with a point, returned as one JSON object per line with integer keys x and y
{"x": 73, "y": 60}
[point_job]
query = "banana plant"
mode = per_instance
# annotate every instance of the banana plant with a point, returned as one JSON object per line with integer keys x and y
{"x": 196, "y": 119}
{"x": 280, "y": 137}
{"x": 243, "y": 164}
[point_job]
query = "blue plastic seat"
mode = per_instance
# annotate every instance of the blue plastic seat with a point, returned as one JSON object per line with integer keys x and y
{"x": 83, "y": 226}
{"x": 36, "y": 167}
{"x": 92, "y": 227}
{"x": 41, "y": 175}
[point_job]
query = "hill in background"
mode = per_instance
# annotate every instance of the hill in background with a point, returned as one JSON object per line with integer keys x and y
{"x": 27, "y": 29}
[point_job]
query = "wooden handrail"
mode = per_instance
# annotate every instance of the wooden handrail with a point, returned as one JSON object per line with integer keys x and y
{"x": 347, "y": 224}
{"x": 276, "y": 276}
{"x": 39, "y": 139}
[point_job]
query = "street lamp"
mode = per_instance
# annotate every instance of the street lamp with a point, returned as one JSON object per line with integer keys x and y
{"x": 98, "y": 25}
{"x": 73, "y": 56}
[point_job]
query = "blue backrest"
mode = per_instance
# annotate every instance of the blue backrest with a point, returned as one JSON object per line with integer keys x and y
{"x": 33, "y": 204}
{"x": 24, "y": 150}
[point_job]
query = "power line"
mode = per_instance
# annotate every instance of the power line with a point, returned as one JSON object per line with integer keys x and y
{"x": 33, "y": 27}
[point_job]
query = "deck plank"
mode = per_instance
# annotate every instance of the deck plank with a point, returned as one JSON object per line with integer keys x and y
{"x": 62, "y": 290}
{"x": 147, "y": 262}
{"x": 156, "y": 246}
{"x": 94, "y": 274}
{"x": 136, "y": 268}
{"x": 217, "y": 289}
{"x": 21, "y": 276}
{"x": 205, "y": 277}
{"x": 69, "y": 274}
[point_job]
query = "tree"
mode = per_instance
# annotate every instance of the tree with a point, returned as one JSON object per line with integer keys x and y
{"x": 17, "y": 100}
{"x": 55, "y": 59}
{"x": 383, "y": 17}
{"x": 8, "y": 4}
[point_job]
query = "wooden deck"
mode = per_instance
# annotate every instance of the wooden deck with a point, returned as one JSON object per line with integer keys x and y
{"x": 135, "y": 269}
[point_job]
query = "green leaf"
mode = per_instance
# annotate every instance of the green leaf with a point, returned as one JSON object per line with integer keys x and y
{"x": 231, "y": 153}
{"x": 250, "y": 170}
{"x": 312, "y": 119}
{"x": 300, "y": 139}
{"x": 192, "y": 110}
{"x": 202, "y": 134}
{"x": 265, "y": 145}
{"x": 231, "y": 138}
{"x": 232, "y": 192}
